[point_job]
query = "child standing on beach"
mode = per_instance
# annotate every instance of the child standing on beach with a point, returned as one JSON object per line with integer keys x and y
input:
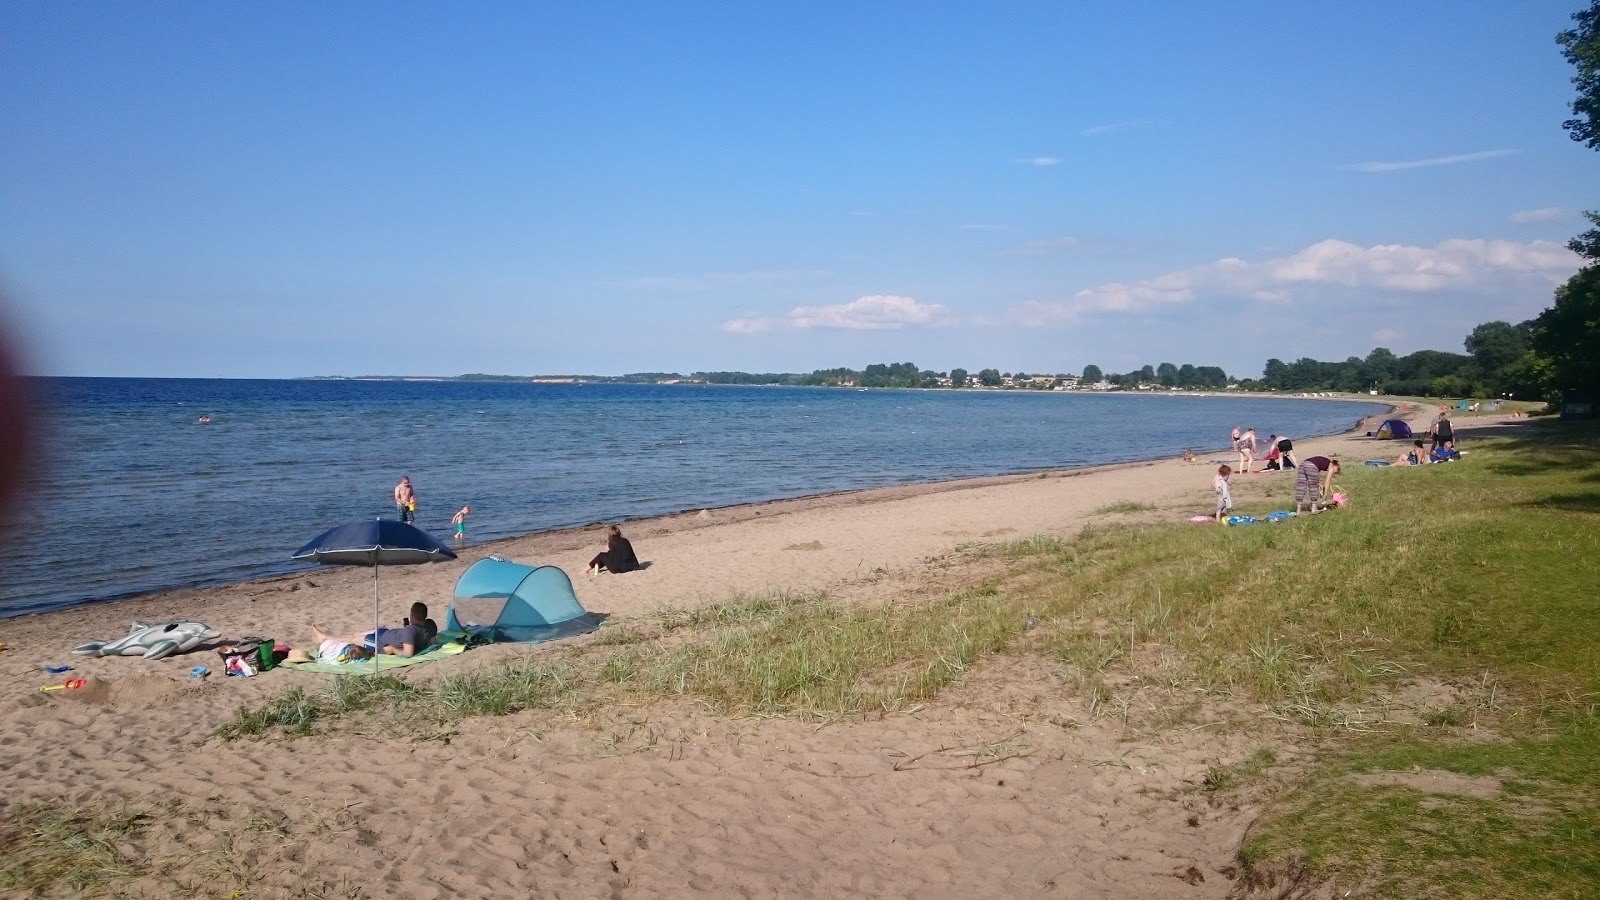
{"x": 1220, "y": 485}
{"x": 459, "y": 520}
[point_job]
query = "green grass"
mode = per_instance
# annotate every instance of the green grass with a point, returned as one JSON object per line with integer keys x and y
{"x": 1503, "y": 578}
{"x": 46, "y": 851}
{"x": 1482, "y": 575}
{"x": 1123, "y": 506}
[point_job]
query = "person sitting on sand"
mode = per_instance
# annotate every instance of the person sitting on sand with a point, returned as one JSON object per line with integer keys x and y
{"x": 617, "y": 557}
{"x": 415, "y": 635}
{"x": 1307, "y": 483}
{"x": 1416, "y": 456}
{"x": 1188, "y": 455}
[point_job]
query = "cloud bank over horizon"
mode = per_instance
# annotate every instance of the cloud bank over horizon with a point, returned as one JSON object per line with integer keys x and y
{"x": 1324, "y": 269}
{"x": 879, "y": 312}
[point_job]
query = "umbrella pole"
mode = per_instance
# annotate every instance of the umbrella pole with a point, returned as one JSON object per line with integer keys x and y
{"x": 377, "y": 651}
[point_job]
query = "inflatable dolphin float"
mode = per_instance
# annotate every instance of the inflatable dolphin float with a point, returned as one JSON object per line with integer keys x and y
{"x": 151, "y": 641}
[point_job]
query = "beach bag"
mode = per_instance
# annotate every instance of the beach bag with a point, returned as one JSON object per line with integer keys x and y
{"x": 259, "y": 654}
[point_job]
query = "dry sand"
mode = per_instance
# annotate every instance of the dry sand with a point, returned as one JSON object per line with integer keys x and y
{"x": 976, "y": 794}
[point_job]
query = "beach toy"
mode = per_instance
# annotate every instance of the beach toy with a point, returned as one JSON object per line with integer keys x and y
{"x": 199, "y": 673}
{"x": 69, "y": 685}
{"x": 151, "y": 641}
{"x": 57, "y": 670}
{"x": 1199, "y": 519}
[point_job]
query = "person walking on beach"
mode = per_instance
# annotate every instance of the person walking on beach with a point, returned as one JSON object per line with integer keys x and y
{"x": 405, "y": 500}
{"x": 459, "y": 520}
{"x": 1224, "y": 498}
{"x": 1308, "y": 483}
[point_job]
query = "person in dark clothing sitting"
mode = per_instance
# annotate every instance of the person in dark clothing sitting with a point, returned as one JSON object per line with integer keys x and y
{"x": 617, "y": 557}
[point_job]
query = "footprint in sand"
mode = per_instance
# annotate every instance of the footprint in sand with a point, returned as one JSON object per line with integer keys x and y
{"x": 998, "y": 531}
{"x": 808, "y": 545}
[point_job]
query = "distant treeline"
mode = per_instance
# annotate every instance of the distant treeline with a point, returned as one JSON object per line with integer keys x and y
{"x": 1500, "y": 361}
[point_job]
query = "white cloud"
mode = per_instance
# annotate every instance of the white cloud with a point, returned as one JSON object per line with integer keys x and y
{"x": 1457, "y": 265}
{"x": 1546, "y": 214}
{"x": 1387, "y": 336}
{"x": 719, "y": 280}
{"x": 879, "y": 312}
{"x": 1043, "y": 162}
{"x": 1045, "y": 246}
{"x": 1451, "y": 160}
{"x": 1114, "y": 127}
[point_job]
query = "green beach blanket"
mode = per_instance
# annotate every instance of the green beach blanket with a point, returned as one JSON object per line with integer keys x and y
{"x": 364, "y": 666}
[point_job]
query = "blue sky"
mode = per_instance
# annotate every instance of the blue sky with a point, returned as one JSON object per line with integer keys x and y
{"x": 204, "y": 189}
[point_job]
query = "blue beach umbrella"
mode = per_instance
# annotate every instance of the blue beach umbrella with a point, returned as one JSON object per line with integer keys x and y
{"x": 374, "y": 542}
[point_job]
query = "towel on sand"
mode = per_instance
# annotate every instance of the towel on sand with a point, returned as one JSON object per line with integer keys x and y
{"x": 364, "y": 666}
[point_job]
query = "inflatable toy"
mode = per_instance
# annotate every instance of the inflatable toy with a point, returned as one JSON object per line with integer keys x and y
{"x": 151, "y": 641}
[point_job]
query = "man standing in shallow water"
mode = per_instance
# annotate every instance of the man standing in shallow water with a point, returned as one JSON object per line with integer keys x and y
{"x": 405, "y": 500}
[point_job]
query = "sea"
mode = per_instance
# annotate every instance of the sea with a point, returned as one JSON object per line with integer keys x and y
{"x": 129, "y": 493}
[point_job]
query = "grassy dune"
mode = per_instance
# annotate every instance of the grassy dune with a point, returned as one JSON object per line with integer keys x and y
{"x": 1476, "y": 584}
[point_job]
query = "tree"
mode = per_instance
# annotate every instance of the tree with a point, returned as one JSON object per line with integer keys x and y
{"x": 1092, "y": 374}
{"x": 1568, "y": 333}
{"x": 1276, "y": 375}
{"x": 1581, "y": 47}
{"x": 1188, "y": 376}
{"x": 1587, "y": 245}
{"x": 1381, "y": 366}
{"x": 1495, "y": 345}
{"x": 989, "y": 377}
{"x": 1167, "y": 374}
{"x": 958, "y": 377}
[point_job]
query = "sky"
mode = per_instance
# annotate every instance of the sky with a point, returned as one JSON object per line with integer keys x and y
{"x": 290, "y": 189}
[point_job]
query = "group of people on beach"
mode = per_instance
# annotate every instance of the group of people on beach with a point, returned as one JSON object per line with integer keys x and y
{"x": 405, "y": 505}
{"x": 617, "y": 557}
{"x": 1313, "y": 476}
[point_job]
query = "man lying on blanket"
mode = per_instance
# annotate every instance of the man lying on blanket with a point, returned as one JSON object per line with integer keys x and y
{"x": 412, "y": 637}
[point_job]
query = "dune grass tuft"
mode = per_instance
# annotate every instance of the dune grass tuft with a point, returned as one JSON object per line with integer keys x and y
{"x": 46, "y": 851}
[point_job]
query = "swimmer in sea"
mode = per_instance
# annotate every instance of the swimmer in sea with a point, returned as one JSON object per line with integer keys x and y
{"x": 459, "y": 520}
{"x": 203, "y": 420}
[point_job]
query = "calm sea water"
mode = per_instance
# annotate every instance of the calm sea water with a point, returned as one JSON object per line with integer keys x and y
{"x": 131, "y": 495}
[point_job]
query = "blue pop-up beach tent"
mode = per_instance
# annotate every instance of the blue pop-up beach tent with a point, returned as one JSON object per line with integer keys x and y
{"x": 1393, "y": 429}
{"x": 499, "y": 600}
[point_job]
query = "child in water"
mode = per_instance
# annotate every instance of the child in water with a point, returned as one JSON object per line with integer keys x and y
{"x": 1220, "y": 485}
{"x": 459, "y": 520}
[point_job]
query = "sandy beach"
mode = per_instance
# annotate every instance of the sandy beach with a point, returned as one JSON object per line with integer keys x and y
{"x": 669, "y": 799}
